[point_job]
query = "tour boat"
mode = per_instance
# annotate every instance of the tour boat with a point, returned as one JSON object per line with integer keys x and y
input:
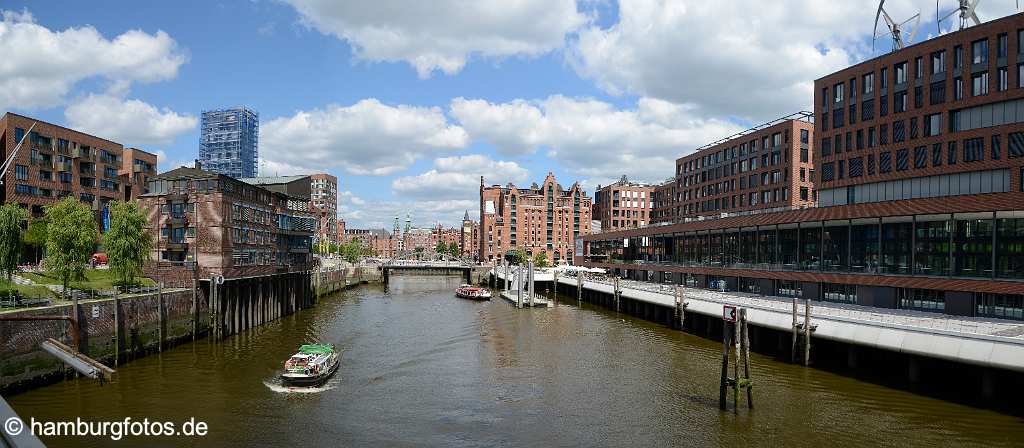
{"x": 473, "y": 293}
{"x": 311, "y": 366}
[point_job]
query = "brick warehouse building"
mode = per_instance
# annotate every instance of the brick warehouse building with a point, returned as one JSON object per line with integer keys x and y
{"x": 55, "y": 162}
{"x": 920, "y": 204}
{"x": 623, "y": 204}
{"x": 232, "y": 228}
{"x": 540, "y": 219}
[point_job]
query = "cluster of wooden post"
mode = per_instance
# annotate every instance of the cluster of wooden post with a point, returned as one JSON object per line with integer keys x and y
{"x": 736, "y": 336}
{"x": 804, "y": 328}
{"x": 579, "y": 287}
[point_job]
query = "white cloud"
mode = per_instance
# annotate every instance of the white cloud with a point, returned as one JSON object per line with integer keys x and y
{"x": 443, "y": 34}
{"x": 728, "y": 61}
{"x": 591, "y": 137}
{"x": 127, "y": 121}
{"x": 366, "y": 138}
{"x": 40, "y": 66}
{"x": 166, "y": 162}
{"x": 458, "y": 177}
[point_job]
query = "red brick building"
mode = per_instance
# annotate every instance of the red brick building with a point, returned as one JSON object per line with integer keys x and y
{"x": 920, "y": 162}
{"x": 230, "y": 227}
{"x": 665, "y": 202}
{"x": 767, "y": 167}
{"x": 623, "y": 205}
{"x": 544, "y": 218}
{"x": 55, "y": 162}
{"x": 469, "y": 237}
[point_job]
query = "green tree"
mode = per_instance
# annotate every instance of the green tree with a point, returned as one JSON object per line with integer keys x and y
{"x": 35, "y": 237}
{"x": 353, "y": 251}
{"x": 332, "y": 248}
{"x": 515, "y": 256}
{"x": 540, "y": 260}
{"x": 11, "y": 217}
{"x": 453, "y": 249}
{"x": 70, "y": 239}
{"x": 127, "y": 244}
{"x": 441, "y": 247}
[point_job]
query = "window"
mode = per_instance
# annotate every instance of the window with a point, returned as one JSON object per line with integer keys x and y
{"x": 937, "y": 92}
{"x": 869, "y": 83}
{"x": 1015, "y": 145}
{"x": 853, "y": 87}
{"x": 972, "y": 248}
{"x": 21, "y": 172}
{"x": 901, "y": 160}
{"x": 918, "y": 67}
{"x": 930, "y": 300}
{"x": 898, "y": 131}
{"x": 913, "y": 128}
{"x": 920, "y": 157}
{"x": 826, "y": 147}
{"x": 996, "y": 150}
{"x": 951, "y": 160}
{"x": 871, "y": 137}
{"x": 1002, "y": 79}
{"x": 856, "y": 167}
{"x": 832, "y": 292}
{"x": 974, "y": 149}
{"x": 804, "y": 136}
{"x": 837, "y": 91}
{"x": 938, "y": 62}
{"x": 1020, "y": 75}
{"x": 1000, "y": 306}
{"x": 883, "y": 106}
{"x": 932, "y": 125}
{"x": 1001, "y": 46}
{"x": 860, "y": 139}
{"x": 918, "y": 97}
{"x": 884, "y": 162}
{"x": 937, "y": 154}
{"x": 901, "y": 72}
{"x": 979, "y": 51}
{"x": 867, "y": 109}
{"x": 958, "y": 88}
{"x": 899, "y": 101}
{"x": 958, "y": 56}
{"x": 1010, "y": 248}
{"x": 979, "y": 84}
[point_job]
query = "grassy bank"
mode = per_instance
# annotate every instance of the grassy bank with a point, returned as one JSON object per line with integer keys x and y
{"x": 97, "y": 279}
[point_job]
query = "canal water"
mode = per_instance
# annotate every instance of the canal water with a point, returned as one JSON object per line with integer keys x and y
{"x": 421, "y": 367}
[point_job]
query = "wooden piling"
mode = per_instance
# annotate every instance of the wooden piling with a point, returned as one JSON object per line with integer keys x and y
{"x": 807, "y": 331}
{"x": 579, "y": 286}
{"x": 725, "y": 365}
{"x": 745, "y": 346}
{"x": 615, "y": 288}
{"x": 792, "y": 354}
{"x": 736, "y": 367}
{"x": 161, "y": 316}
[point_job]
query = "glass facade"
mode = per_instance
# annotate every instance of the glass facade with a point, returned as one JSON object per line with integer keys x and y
{"x": 229, "y": 142}
{"x": 976, "y": 245}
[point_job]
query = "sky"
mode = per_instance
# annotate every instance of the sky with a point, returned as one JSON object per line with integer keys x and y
{"x": 409, "y": 103}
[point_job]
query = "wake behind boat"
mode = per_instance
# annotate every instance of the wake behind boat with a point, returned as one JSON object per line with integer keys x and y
{"x": 473, "y": 293}
{"x": 313, "y": 365}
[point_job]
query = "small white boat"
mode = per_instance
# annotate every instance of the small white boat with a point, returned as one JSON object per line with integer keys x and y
{"x": 471, "y": 292}
{"x": 312, "y": 366}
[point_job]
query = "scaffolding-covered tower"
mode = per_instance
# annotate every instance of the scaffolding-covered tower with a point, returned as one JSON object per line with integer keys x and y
{"x": 229, "y": 141}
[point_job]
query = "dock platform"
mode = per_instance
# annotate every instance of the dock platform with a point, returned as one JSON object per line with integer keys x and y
{"x": 539, "y": 301}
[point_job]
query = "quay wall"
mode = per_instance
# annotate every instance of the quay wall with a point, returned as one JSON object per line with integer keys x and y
{"x": 117, "y": 330}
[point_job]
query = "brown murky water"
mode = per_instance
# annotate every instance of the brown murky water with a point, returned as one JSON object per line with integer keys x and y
{"x": 421, "y": 367}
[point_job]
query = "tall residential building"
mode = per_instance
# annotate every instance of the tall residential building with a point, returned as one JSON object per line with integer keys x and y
{"x": 229, "y": 142}
{"x": 919, "y": 155}
{"x": 623, "y": 204}
{"x": 55, "y": 162}
{"x": 323, "y": 201}
{"x": 544, "y": 219}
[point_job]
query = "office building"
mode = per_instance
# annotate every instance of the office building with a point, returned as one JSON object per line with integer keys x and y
{"x": 229, "y": 142}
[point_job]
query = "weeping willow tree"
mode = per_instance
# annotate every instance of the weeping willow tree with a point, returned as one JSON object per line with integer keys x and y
{"x": 11, "y": 217}
{"x": 126, "y": 243}
{"x": 70, "y": 239}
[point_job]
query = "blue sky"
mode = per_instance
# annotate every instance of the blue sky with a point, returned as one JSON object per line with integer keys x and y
{"x": 408, "y": 103}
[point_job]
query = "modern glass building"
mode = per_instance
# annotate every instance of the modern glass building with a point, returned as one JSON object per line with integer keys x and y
{"x": 229, "y": 142}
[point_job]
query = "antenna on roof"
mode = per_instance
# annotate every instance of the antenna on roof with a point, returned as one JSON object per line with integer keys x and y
{"x": 965, "y": 8}
{"x": 895, "y": 29}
